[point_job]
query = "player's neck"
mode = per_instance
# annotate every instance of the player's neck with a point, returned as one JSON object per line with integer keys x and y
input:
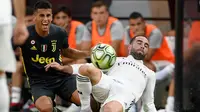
{"x": 40, "y": 32}
{"x": 102, "y": 26}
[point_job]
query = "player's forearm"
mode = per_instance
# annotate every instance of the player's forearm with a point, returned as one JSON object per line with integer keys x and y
{"x": 19, "y": 6}
{"x": 81, "y": 54}
{"x": 74, "y": 53}
{"x": 171, "y": 88}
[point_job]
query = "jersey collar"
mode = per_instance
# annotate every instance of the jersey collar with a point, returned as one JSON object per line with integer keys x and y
{"x": 130, "y": 57}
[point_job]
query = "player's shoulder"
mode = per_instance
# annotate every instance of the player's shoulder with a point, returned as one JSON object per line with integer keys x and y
{"x": 117, "y": 23}
{"x": 57, "y": 29}
{"x": 31, "y": 28}
{"x": 150, "y": 72}
{"x": 89, "y": 25}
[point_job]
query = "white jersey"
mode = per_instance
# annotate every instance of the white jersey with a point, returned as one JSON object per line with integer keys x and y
{"x": 136, "y": 77}
{"x": 126, "y": 82}
{"x": 7, "y": 58}
{"x": 5, "y": 12}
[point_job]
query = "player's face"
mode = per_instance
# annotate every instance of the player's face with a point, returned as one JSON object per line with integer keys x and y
{"x": 29, "y": 20}
{"x": 61, "y": 19}
{"x": 139, "y": 47}
{"x": 137, "y": 25}
{"x": 43, "y": 18}
{"x": 99, "y": 15}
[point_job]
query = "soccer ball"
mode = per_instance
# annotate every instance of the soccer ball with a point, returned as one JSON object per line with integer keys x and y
{"x": 103, "y": 56}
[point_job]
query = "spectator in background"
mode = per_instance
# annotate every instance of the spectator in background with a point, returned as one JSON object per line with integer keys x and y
{"x": 194, "y": 34}
{"x": 75, "y": 29}
{"x": 103, "y": 28}
{"x": 29, "y": 18}
{"x": 159, "y": 55}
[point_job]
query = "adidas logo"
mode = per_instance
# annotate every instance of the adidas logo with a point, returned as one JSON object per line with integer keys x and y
{"x": 33, "y": 48}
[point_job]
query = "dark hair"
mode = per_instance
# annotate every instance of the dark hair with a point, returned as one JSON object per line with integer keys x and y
{"x": 42, "y": 4}
{"x": 132, "y": 39}
{"x": 29, "y": 11}
{"x": 64, "y": 9}
{"x": 135, "y": 15}
{"x": 98, "y": 4}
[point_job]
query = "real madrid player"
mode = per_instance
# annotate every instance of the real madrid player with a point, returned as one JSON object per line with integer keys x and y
{"x": 127, "y": 81}
{"x": 7, "y": 59}
{"x": 44, "y": 45}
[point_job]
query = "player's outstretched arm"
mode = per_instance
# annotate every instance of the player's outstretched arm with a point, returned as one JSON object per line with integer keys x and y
{"x": 20, "y": 32}
{"x": 57, "y": 66}
{"x": 71, "y": 69}
{"x": 148, "y": 95}
{"x": 74, "y": 53}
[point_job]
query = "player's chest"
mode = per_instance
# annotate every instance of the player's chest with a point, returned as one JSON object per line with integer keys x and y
{"x": 133, "y": 68}
{"x": 36, "y": 45}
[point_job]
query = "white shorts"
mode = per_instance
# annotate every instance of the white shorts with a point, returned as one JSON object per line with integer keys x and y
{"x": 161, "y": 64}
{"x": 109, "y": 89}
{"x": 7, "y": 58}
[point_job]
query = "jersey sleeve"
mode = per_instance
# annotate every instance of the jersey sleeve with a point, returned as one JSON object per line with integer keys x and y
{"x": 65, "y": 39}
{"x": 155, "y": 39}
{"x": 127, "y": 36}
{"x": 148, "y": 94}
{"x": 87, "y": 32}
{"x": 117, "y": 30}
{"x": 79, "y": 33}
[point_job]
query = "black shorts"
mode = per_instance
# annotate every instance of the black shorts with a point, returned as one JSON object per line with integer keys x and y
{"x": 63, "y": 87}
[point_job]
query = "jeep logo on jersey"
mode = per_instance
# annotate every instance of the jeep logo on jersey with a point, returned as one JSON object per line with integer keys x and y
{"x": 43, "y": 60}
{"x": 44, "y": 48}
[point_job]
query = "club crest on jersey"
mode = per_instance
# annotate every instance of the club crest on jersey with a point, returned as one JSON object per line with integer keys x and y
{"x": 44, "y": 48}
{"x": 32, "y": 42}
{"x": 53, "y": 47}
{"x": 53, "y": 44}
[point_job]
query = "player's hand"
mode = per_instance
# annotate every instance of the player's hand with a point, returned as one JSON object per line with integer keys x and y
{"x": 54, "y": 65}
{"x": 20, "y": 33}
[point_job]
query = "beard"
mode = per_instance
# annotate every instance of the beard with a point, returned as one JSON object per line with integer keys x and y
{"x": 137, "y": 56}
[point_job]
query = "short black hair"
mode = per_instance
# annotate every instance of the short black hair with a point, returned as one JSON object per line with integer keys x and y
{"x": 42, "y": 4}
{"x": 132, "y": 39}
{"x": 99, "y": 3}
{"x": 135, "y": 15}
{"x": 29, "y": 11}
{"x": 64, "y": 9}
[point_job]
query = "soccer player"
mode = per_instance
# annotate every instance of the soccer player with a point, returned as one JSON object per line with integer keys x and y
{"x": 127, "y": 81}
{"x": 7, "y": 59}
{"x": 44, "y": 45}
